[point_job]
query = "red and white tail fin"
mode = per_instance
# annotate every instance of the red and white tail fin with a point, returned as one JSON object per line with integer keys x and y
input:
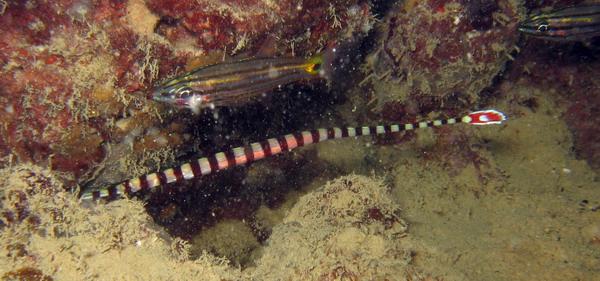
{"x": 484, "y": 117}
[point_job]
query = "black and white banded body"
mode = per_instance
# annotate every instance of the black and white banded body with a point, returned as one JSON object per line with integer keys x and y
{"x": 259, "y": 150}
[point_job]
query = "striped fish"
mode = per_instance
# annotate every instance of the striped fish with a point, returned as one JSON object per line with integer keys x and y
{"x": 568, "y": 24}
{"x": 235, "y": 82}
{"x": 258, "y": 150}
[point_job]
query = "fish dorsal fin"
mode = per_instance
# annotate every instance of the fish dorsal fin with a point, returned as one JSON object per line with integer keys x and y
{"x": 268, "y": 48}
{"x": 212, "y": 57}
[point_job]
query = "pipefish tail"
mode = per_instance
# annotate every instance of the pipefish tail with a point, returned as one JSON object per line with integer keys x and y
{"x": 568, "y": 24}
{"x": 238, "y": 81}
{"x": 259, "y": 150}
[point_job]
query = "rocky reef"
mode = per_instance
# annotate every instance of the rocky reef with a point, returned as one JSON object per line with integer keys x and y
{"x": 76, "y": 74}
{"x": 514, "y": 201}
{"x": 439, "y": 56}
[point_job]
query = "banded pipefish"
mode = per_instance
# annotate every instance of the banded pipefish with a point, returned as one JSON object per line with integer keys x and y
{"x": 569, "y": 24}
{"x": 259, "y": 150}
{"x": 238, "y": 81}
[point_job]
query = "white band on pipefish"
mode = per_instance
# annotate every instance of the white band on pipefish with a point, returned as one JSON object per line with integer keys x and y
{"x": 258, "y": 150}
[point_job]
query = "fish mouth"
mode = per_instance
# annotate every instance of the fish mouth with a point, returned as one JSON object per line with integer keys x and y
{"x": 181, "y": 103}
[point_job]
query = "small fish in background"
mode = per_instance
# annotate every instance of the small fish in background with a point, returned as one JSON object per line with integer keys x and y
{"x": 575, "y": 23}
{"x": 239, "y": 81}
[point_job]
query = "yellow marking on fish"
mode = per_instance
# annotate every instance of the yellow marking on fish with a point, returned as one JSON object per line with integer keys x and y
{"x": 212, "y": 82}
{"x": 308, "y": 67}
{"x": 311, "y": 66}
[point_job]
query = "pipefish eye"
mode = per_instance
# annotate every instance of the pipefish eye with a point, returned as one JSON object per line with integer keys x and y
{"x": 184, "y": 93}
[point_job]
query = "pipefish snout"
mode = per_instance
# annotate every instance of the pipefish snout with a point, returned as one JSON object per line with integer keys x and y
{"x": 237, "y": 81}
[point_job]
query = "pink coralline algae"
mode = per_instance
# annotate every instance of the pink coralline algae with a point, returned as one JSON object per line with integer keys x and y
{"x": 231, "y": 24}
{"x": 74, "y": 71}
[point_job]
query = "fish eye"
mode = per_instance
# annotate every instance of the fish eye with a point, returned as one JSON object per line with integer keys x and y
{"x": 184, "y": 93}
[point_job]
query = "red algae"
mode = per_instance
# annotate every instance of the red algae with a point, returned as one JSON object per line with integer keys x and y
{"x": 27, "y": 274}
{"x": 230, "y": 25}
{"x": 568, "y": 74}
{"x": 89, "y": 64}
{"x": 443, "y": 49}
